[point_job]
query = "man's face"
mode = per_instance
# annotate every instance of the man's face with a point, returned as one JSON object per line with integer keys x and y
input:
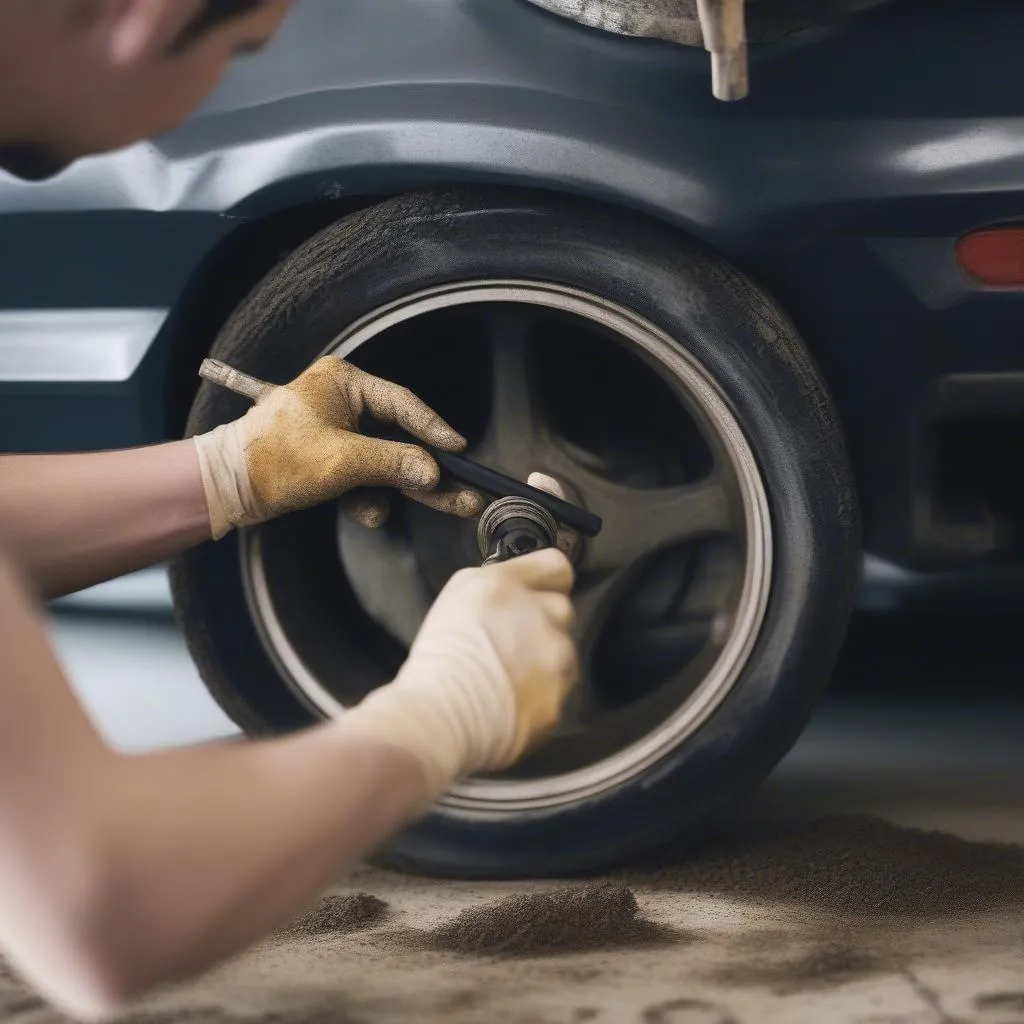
{"x": 85, "y": 76}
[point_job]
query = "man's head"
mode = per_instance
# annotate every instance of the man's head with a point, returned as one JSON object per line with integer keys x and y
{"x": 86, "y": 76}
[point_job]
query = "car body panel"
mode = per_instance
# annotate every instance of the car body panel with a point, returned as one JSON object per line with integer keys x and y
{"x": 864, "y": 151}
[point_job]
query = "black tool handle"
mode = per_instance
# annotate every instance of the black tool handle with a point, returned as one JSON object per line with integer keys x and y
{"x": 498, "y": 485}
{"x": 491, "y": 482}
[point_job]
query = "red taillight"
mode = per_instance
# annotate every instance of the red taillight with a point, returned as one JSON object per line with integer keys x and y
{"x": 994, "y": 256}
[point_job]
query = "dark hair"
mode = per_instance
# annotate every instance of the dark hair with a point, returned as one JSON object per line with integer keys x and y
{"x": 212, "y": 15}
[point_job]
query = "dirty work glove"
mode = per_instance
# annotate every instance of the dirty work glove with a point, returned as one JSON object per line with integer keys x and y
{"x": 300, "y": 445}
{"x": 487, "y": 675}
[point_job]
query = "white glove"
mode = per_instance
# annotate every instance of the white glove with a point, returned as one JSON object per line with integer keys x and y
{"x": 487, "y": 675}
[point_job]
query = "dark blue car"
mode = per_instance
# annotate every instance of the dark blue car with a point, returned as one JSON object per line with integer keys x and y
{"x": 732, "y": 330}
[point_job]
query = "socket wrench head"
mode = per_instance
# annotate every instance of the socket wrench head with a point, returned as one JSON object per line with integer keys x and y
{"x": 512, "y": 526}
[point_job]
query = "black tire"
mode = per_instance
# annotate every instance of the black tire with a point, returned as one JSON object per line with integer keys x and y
{"x": 745, "y": 343}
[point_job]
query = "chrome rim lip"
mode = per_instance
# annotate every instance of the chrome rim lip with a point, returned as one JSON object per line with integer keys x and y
{"x": 497, "y": 798}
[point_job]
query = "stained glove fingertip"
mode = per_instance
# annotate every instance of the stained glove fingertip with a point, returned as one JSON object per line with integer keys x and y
{"x": 444, "y": 437}
{"x": 469, "y": 504}
{"x": 419, "y": 472}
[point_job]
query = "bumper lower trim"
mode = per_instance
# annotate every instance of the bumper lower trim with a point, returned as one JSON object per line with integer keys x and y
{"x": 75, "y": 345}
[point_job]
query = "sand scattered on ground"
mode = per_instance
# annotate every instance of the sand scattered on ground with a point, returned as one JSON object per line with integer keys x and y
{"x": 1001, "y": 1002}
{"x": 837, "y": 919}
{"x": 824, "y": 967}
{"x": 564, "y": 920}
{"x": 340, "y": 913}
{"x": 18, "y": 1001}
{"x": 854, "y": 865}
{"x": 324, "y": 1010}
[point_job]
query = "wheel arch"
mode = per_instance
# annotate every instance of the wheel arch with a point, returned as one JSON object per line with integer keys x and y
{"x": 218, "y": 284}
{"x": 283, "y": 216}
{"x": 276, "y": 214}
{"x": 283, "y": 169}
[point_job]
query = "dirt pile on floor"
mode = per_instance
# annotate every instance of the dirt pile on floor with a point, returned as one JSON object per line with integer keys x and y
{"x": 342, "y": 913}
{"x": 574, "y": 918}
{"x": 856, "y": 865}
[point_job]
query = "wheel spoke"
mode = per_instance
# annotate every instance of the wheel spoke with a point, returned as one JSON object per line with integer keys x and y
{"x": 515, "y": 425}
{"x": 593, "y": 599}
{"x": 638, "y": 522}
{"x": 385, "y": 578}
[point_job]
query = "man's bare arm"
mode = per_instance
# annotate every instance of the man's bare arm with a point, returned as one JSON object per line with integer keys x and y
{"x": 203, "y": 851}
{"x": 76, "y": 520}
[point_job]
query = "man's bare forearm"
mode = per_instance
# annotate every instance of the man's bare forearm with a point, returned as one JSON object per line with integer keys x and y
{"x": 76, "y": 520}
{"x": 203, "y": 851}
{"x": 206, "y": 851}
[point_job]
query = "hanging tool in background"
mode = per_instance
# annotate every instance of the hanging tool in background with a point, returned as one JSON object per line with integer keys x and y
{"x": 723, "y": 24}
{"x": 521, "y": 519}
{"x": 719, "y": 25}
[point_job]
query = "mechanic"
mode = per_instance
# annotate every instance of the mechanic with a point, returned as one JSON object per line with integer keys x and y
{"x": 118, "y": 874}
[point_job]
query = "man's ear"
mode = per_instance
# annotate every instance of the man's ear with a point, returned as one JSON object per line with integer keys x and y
{"x": 137, "y": 30}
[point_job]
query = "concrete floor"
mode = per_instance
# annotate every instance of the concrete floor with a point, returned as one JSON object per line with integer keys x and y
{"x": 913, "y": 736}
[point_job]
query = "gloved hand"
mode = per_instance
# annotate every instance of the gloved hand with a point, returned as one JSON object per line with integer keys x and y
{"x": 299, "y": 446}
{"x": 487, "y": 675}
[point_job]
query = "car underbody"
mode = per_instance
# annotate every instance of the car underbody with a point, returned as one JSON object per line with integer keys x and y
{"x": 724, "y": 27}
{"x": 678, "y": 21}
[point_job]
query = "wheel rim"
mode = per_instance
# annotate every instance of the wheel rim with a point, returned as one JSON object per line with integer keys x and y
{"x": 646, "y": 526}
